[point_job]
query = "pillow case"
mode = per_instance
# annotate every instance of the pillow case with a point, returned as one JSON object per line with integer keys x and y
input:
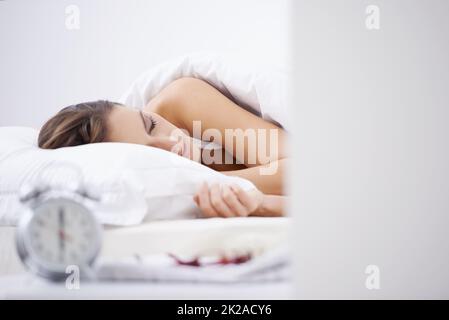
{"x": 135, "y": 182}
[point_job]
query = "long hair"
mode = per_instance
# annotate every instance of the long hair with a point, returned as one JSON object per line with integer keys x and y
{"x": 75, "y": 125}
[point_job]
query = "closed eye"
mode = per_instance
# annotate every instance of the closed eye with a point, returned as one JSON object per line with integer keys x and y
{"x": 148, "y": 122}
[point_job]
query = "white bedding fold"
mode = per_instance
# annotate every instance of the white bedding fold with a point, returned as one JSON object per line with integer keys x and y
{"x": 261, "y": 89}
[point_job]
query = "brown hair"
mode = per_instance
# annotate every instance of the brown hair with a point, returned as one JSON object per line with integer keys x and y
{"x": 75, "y": 125}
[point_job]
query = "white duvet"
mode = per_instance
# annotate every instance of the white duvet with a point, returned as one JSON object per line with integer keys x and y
{"x": 258, "y": 88}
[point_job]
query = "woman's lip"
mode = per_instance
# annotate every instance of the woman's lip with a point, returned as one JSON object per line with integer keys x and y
{"x": 180, "y": 148}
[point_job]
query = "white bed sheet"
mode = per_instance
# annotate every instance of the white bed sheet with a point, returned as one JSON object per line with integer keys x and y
{"x": 27, "y": 287}
{"x": 183, "y": 237}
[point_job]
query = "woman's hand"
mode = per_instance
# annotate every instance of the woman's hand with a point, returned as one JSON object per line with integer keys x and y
{"x": 220, "y": 200}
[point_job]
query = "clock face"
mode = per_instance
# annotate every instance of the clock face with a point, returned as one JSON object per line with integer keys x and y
{"x": 62, "y": 232}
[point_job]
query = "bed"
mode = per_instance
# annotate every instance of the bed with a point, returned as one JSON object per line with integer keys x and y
{"x": 143, "y": 185}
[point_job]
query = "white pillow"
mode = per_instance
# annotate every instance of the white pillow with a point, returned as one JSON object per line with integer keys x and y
{"x": 136, "y": 182}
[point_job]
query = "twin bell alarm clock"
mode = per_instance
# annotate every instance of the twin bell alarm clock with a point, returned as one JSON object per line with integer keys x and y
{"x": 57, "y": 230}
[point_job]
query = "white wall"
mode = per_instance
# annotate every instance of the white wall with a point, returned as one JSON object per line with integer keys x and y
{"x": 44, "y": 66}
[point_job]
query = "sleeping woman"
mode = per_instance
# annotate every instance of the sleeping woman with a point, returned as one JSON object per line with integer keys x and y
{"x": 190, "y": 108}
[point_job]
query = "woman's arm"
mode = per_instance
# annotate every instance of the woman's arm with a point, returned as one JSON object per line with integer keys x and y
{"x": 254, "y": 142}
{"x": 270, "y": 183}
{"x": 272, "y": 206}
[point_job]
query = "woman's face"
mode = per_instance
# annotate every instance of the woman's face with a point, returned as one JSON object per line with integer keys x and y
{"x": 150, "y": 129}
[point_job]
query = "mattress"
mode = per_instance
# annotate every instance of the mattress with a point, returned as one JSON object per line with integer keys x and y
{"x": 216, "y": 236}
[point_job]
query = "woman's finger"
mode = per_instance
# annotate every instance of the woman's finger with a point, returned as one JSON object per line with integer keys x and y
{"x": 231, "y": 200}
{"x": 204, "y": 202}
{"x": 196, "y": 199}
{"x": 217, "y": 201}
{"x": 250, "y": 202}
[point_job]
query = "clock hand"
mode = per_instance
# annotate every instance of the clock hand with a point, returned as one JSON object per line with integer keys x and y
{"x": 61, "y": 233}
